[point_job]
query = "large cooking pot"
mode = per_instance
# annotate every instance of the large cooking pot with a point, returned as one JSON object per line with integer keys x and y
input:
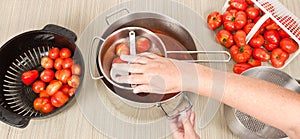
{"x": 177, "y": 44}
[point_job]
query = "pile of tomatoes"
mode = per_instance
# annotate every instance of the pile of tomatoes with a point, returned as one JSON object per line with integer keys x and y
{"x": 269, "y": 44}
{"x": 56, "y": 83}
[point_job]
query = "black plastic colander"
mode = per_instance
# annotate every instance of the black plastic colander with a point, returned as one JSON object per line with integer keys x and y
{"x": 23, "y": 53}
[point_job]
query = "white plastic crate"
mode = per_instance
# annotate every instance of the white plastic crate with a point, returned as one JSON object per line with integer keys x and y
{"x": 277, "y": 12}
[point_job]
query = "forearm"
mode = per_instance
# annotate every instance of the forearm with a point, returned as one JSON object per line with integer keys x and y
{"x": 265, "y": 101}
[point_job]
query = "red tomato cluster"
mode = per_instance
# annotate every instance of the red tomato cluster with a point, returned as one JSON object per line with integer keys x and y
{"x": 269, "y": 44}
{"x": 56, "y": 83}
{"x": 142, "y": 44}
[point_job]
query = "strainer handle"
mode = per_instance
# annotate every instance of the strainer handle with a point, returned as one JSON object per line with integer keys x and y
{"x": 186, "y": 108}
{"x": 115, "y": 13}
{"x": 227, "y": 54}
{"x": 90, "y": 58}
{"x": 61, "y": 31}
{"x": 12, "y": 118}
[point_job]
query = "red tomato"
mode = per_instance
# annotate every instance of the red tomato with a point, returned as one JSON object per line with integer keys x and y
{"x": 72, "y": 91}
{"x": 261, "y": 54}
{"x": 74, "y": 81}
{"x": 65, "y": 88}
{"x": 241, "y": 54}
{"x": 47, "y": 75}
{"x": 239, "y": 38}
{"x": 29, "y": 77}
{"x": 44, "y": 94}
{"x": 58, "y": 63}
{"x": 283, "y": 34}
{"x": 65, "y": 53}
{"x": 272, "y": 25}
{"x": 67, "y": 63}
{"x": 142, "y": 44}
{"x": 76, "y": 69}
{"x": 63, "y": 75}
{"x": 278, "y": 57}
{"x": 53, "y": 53}
{"x": 53, "y": 87}
{"x": 239, "y": 4}
{"x": 240, "y": 68}
{"x": 288, "y": 45}
{"x": 59, "y": 99}
{"x": 225, "y": 38}
{"x": 252, "y": 12}
{"x": 47, "y": 62}
{"x": 38, "y": 86}
{"x": 43, "y": 105}
{"x": 257, "y": 41}
{"x": 122, "y": 49}
{"x": 250, "y": 2}
{"x": 234, "y": 20}
{"x": 254, "y": 62}
{"x": 272, "y": 39}
{"x": 247, "y": 28}
{"x": 214, "y": 20}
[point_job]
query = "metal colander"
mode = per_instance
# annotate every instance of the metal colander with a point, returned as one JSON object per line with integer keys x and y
{"x": 248, "y": 127}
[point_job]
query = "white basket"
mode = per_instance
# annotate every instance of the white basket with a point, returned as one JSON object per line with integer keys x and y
{"x": 276, "y": 15}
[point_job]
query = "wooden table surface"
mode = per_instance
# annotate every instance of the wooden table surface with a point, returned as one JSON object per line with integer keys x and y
{"x": 19, "y": 16}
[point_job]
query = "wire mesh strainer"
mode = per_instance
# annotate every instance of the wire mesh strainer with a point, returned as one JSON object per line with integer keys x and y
{"x": 248, "y": 127}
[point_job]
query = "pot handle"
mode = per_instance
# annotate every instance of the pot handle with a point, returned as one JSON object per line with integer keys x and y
{"x": 227, "y": 54}
{"x": 13, "y": 119}
{"x": 177, "y": 112}
{"x": 62, "y": 31}
{"x": 90, "y": 58}
{"x": 115, "y": 13}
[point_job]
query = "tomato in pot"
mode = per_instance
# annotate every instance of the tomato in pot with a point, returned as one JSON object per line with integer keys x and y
{"x": 142, "y": 44}
{"x": 254, "y": 62}
{"x": 283, "y": 33}
{"x": 43, "y": 105}
{"x": 47, "y": 62}
{"x": 47, "y": 75}
{"x": 214, "y": 20}
{"x": 288, "y": 45}
{"x": 58, "y": 63}
{"x": 53, "y": 87}
{"x": 248, "y": 27}
{"x": 278, "y": 57}
{"x": 63, "y": 75}
{"x": 65, "y": 53}
{"x": 225, "y": 38}
{"x": 122, "y": 49}
{"x": 241, "y": 54}
{"x": 76, "y": 69}
{"x": 53, "y": 53}
{"x": 67, "y": 63}
{"x": 38, "y": 86}
{"x": 59, "y": 99}
{"x": 73, "y": 81}
{"x": 29, "y": 77}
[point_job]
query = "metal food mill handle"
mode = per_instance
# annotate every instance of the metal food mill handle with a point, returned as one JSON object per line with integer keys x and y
{"x": 115, "y": 13}
{"x": 188, "y": 107}
{"x": 90, "y": 58}
{"x": 204, "y": 52}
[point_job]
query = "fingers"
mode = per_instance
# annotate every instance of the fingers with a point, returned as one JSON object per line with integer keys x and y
{"x": 132, "y": 68}
{"x": 132, "y": 79}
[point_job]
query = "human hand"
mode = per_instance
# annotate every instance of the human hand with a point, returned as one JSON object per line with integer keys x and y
{"x": 183, "y": 126}
{"x": 157, "y": 74}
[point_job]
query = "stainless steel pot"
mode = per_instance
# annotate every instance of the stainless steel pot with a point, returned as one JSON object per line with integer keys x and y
{"x": 248, "y": 127}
